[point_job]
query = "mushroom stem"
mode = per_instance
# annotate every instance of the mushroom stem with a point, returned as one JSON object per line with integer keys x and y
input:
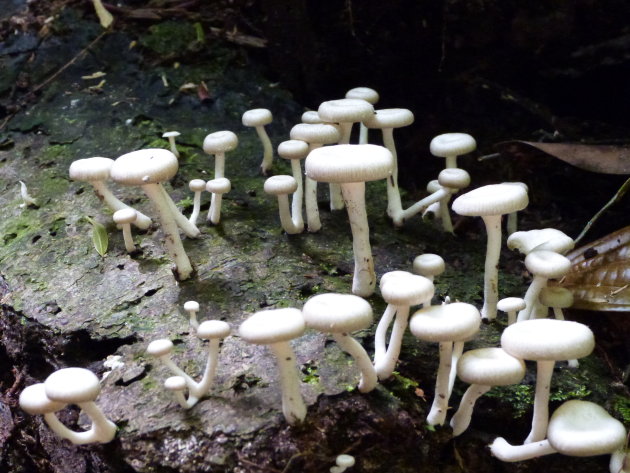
{"x": 64, "y": 432}
{"x": 437, "y": 414}
{"x": 512, "y": 223}
{"x": 540, "y": 418}
{"x": 368, "y": 375}
{"x": 128, "y": 238}
{"x": 419, "y": 206}
{"x": 188, "y": 227}
{"x": 103, "y": 430}
{"x": 394, "y": 204}
{"x": 364, "y": 279}
{"x": 491, "y": 270}
{"x": 105, "y": 195}
{"x": 620, "y": 461}
{"x": 531, "y": 297}
{"x": 196, "y": 208}
{"x": 501, "y": 449}
{"x": 445, "y": 214}
{"x": 203, "y": 386}
{"x": 214, "y": 212}
{"x": 267, "y": 160}
{"x": 380, "y": 334}
{"x": 173, "y": 242}
{"x": 458, "y": 349}
{"x": 293, "y": 406}
{"x": 461, "y": 419}
{"x": 312, "y": 209}
{"x": 286, "y": 220}
{"x": 298, "y": 195}
{"x": 386, "y": 364}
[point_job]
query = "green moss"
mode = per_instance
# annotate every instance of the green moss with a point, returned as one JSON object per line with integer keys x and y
{"x": 519, "y": 396}
{"x": 621, "y": 408}
{"x": 310, "y": 373}
{"x": 169, "y": 38}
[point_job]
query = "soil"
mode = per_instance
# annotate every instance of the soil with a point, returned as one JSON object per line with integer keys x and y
{"x": 70, "y": 90}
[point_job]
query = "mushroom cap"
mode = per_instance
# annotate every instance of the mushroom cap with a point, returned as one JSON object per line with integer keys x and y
{"x": 175, "y": 383}
{"x": 220, "y": 142}
{"x": 363, "y": 93}
{"x": 548, "y": 340}
{"x": 34, "y": 401}
{"x": 197, "y": 185}
{"x": 493, "y": 199}
{"x": 543, "y": 239}
{"x": 72, "y": 386}
{"x": 126, "y": 215}
{"x": 337, "y": 313}
{"x": 273, "y": 325}
{"x": 257, "y": 117}
{"x": 428, "y": 264}
{"x": 511, "y": 304}
{"x": 390, "y": 118}
{"x": 453, "y": 178}
{"x": 349, "y": 163}
{"x": 220, "y": 185}
{"x": 452, "y": 144}
{"x": 169, "y": 134}
{"x": 447, "y": 322}
{"x": 406, "y": 289}
{"x": 280, "y": 185}
{"x": 392, "y": 275}
{"x": 191, "y": 306}
{"x": 145, "y": 166}
{"x": 548, "y": 264}
{"x": 555, "y": 296}
{"x": 316, "y": 133}
{"x": 160, "y": 347}
{"x": 91, "y": 169}
{"x": 345, "y": 460}
{"x": 293, "y": 149}
{"x": 345, "y": 110}
{"x": 311, "y": 116}
{"x": 210, "y": 329}
{"x": 582, "y": 428}
{"x": 490, "y": 367}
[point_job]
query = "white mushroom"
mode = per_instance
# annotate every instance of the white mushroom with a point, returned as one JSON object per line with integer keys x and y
{"x": 217, "y": 187}
{"x": 339, "y": 315}
{"x": 546, "y": 341}
{"x": 197, "y": 186}
{"x": 511, "y": 305}
{"x": 124, "y": 218}
{"x": 351, "y": 166}
{"x": 369, "y": 95}
{"x": 33, "y": 400}
{"x": 281, "y": 186}
{"x": 343, "y": 462}
{"x": 429, "y": 265}
{"x": 171, "y": 135}
{"x": 192, "y": 307}
{"x": 258, "y": 118}
{"x": 275, "y": 328}
{"x": 490, "y": 203}
{"x": 96, "y": 171}
{"x": 452, "y": 145}
{"x": 295, "y": 151}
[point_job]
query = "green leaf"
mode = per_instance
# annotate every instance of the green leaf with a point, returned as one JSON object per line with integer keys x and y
{"x": 99, "y": 236}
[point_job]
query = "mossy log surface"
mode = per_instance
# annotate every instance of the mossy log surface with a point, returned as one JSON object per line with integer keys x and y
{"x": 65, "y": 305}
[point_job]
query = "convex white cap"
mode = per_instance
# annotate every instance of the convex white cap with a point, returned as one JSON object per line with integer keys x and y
{"x": 273, "y": 325}
{"x": 127, "y": 215}
{"x": 493, "y": 199}
{"x": 406, "y": 289}
{"x": 429, "y": 264}
{"x": 72, "y": 386}
{"x": 337, "y": 313}
{"x": 453, "y": 178}
{"x": 257, "y": 117}
{"x": 161, "y": 347}
{"x": 34, "y": 401}
{"x": 280, "y": 184}
{"x": 364, "y": 93}
{"x": 211, "y": 329}
{"x": 145, "y": 166}
{"x": 390, "y": 118}
{"x": 452, "y": 144}
{"x": 345, "y": 110}
{"x": 458, "y": 321}
{"x": 316, "y": 133}
{"x": 220, "y": 142}
{"x": 555, "y": 296}
{"x": 548, "y": 339}
{"x": 91, "y": 169}
{"x": 197, "y": 185}
{"x": 548, "y": 264}
{"x": 293, "y": 149}
{"x": 491, "y": 366}
{"x": 543, "y": 239}
{"x": 220, "y": 185}
{"x": 349, "y": 163}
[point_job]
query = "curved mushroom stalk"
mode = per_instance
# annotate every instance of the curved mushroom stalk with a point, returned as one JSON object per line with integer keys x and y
{"x": 501, "y": 449}
{"x": 348, "y": 344}
{"x": 293, "y": 406}
{"x": 437, "y": 414}
{"x": 380, "y": 335}
{"x": 461, "y": 419}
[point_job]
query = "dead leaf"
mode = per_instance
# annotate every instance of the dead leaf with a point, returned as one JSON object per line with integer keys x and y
{"x": 599, "y": 277}
{"x": 605, "y": 159}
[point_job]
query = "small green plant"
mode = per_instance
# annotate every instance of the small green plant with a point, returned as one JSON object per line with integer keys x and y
{"x": 99, "y": 236}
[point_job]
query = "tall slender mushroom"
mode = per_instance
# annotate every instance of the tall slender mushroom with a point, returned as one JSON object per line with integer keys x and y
{"x": 345, "y": 112}
{"x": 490, "y": 203}
{"x": 197, "y": 186}
{"x": 388, "y": 119}
{"x": 217, "y": 187}
{"x": 351, "y": 166}
{"x": 281, "y": 186}
{"x": 369, "y": 95}
{"x": 339, "y": 315}
{"x": 295, "y": 151}
{"x": 275, "y": 328}
{"x": 452, "y": 145}
{"x": 96, "y": 171}
{"x": 258, "y": 118}
{"x": 124, "y": 218}
{"x": 447, "y": 324}
{"x": 148, "y": 168}
{"x": 171, "y": 135}
{"x": 546, "y": 341}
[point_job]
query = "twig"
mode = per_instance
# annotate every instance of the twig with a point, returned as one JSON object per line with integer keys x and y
{"x": 618, "y": 195}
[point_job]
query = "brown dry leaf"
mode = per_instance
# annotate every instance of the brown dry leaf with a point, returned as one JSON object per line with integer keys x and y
{"x": 605, "y": 159}
{"x": 599, "y": 277}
